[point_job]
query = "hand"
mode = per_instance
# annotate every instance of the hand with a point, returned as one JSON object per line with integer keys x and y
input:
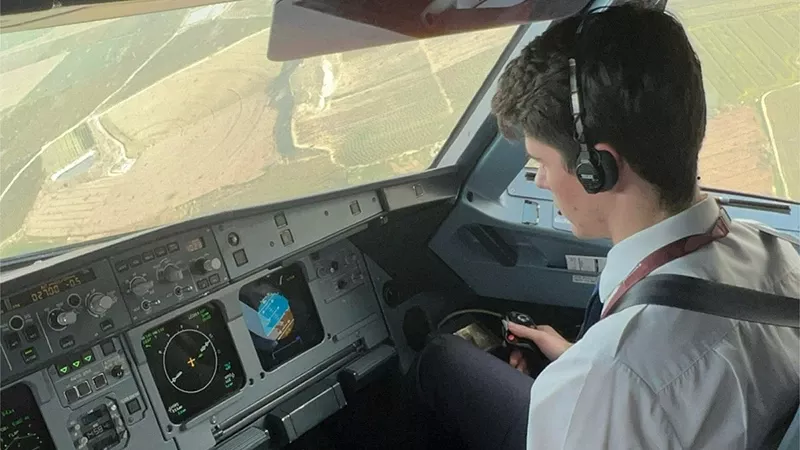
{"x": 517, "y": 360}
{"x": 545, "y": 337}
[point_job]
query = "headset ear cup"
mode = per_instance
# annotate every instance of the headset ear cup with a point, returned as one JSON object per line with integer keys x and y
{"x": 608, "y": 165}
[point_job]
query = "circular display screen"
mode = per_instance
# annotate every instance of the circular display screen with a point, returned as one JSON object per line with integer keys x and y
{"x": 193, "y": 362}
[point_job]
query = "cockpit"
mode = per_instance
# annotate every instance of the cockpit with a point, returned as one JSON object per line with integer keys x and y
{"x": 235, "y": 225}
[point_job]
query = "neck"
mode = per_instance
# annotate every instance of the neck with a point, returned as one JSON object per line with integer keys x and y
{"x": 638, "y": 212}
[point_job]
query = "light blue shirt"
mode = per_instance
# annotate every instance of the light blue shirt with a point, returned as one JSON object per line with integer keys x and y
{"x": 654, "y": 377}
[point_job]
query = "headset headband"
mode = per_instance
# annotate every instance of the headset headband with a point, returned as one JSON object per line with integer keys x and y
{"x": 576, "y": 104}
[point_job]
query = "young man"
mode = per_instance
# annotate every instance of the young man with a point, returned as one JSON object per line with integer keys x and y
{"x": 649, "y": 376}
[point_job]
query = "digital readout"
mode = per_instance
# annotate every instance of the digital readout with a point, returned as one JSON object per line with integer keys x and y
{"x": 51, "y": 288}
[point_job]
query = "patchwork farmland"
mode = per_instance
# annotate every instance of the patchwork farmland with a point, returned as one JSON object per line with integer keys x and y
{"x": 750, "y": 51}
{"x": 132, "y": 123}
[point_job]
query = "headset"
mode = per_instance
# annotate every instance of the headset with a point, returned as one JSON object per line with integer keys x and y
{"x": 596, "y": 169}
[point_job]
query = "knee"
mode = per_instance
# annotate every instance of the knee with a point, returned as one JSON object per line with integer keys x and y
{"x": 440, "y": 349}
{"x": 437, "y": 359}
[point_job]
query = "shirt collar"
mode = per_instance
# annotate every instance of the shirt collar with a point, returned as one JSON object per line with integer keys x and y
{"x": 626, "y": 254}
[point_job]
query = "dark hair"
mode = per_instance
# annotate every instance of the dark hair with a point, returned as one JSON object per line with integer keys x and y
{"x": 641, "y": 87}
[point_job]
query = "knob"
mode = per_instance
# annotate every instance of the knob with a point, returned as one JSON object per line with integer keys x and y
{"x": 205, "y": 265}
{"x": 60, "y": 319}
{"x": 74, "y": 300}
{"x": 117, "y": 372}
{"x": 341, "y": 284}
{"x": 172, "y": 273}
{"x": 100, "y": 303}
{"x": 140, "y": 286}
{"x": 16, "y": 323}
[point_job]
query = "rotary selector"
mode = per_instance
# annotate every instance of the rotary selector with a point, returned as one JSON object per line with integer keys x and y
{"x": 140, "y": 286}
{"x": 59, "y": 319}
{"x": 98, "y": 304}
{"x": 171, "y": 273}
{"x": 205, "y": 265}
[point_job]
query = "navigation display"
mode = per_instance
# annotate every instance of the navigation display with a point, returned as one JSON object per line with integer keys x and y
{"x": 22, "y": 426}
{"x": 279, "y": 312}
{"x": 193, "y": 362}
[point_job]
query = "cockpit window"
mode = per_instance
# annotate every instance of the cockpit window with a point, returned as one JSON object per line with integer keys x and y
{"x": 751, "y": 67}
{"x": 125, "y": 124}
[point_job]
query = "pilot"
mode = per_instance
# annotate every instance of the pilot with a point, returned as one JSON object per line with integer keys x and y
{"x": 647, "y": 377}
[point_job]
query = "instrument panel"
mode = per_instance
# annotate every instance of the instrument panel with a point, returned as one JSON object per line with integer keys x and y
{"x": 151, "y": 343}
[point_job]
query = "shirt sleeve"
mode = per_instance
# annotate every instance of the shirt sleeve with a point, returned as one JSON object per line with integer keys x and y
{"x": 587, "y": 402}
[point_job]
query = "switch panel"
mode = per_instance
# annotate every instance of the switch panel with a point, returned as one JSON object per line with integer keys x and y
{"x": 182, "y": 268}
{"x": 42, "y": 321}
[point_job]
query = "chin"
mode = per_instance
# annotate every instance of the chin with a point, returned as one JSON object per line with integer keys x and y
{"x": 582, "y": 233}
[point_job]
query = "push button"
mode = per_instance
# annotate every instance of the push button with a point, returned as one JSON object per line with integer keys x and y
{"x": 31, "y": 333}
{"x": 202, "y": 284}
{"x": 121, "y": 266}
{"x": 286, "y": 237}
{"x": 214, "y": 279}
{"x": 355, "y": 208}
{"x": 160, "y": 251}
{"x": 280, "y": 220}
{"x": 240, "y": 257}
{"x": 87, "y": 357}
{"x": 172, "y": 247}
{"x": 107, "y": 347}
{"x": 84, "y": 389}
{"x": 106, "y": 325}
{"x": 12, "y": 340}
{"x": 99, "y": 381}
{"x": 133, "y": 406}
{"x": 63, "y": 369}
{"x": 66, "y": 342}
{"x": 147, "y": 256}
{"x": 71, "y": 394}
{"x": 29, "y": 355}
{"x": 135, "y": 261}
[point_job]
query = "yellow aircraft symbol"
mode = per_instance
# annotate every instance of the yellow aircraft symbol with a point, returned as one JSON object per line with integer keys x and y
{"x": 190, "y": 362}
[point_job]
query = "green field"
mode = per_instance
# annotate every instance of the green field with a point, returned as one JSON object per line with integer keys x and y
{"x": 99, "y": 59}
{"x": 783, "y": 110}
{"x": 67, "y": 149}
{"x": 393, "y": 107}
{"x": 748, "y": 48}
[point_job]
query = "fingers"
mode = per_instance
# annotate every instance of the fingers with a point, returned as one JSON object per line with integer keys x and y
{"x": 518, "y": 361}
{"x": 522, "y": 331}
{"x": 515, "y": 358}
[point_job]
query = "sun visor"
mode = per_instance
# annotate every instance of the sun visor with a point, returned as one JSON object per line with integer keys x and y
{"x": 304, "y": 28}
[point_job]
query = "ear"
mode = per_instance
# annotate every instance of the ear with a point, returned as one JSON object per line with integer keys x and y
{"x": 611, "y": 163}
{"x": 603, "y": 147}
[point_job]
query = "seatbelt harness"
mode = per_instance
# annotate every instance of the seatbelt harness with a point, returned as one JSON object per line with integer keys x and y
{"x": 709, "y": 297}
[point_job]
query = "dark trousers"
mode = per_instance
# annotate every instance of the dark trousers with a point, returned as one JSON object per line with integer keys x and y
{"x": 474, "y": 394}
